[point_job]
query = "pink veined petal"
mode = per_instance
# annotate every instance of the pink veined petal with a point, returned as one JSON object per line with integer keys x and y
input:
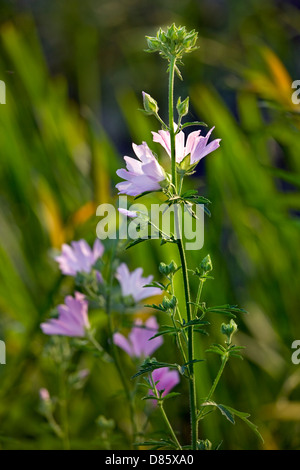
{"x": 200, "y": 147}
{"x": 192, "y": 142}
{"x": 163, "y": 138}
{"x": 133, "y": 165}
{"x": 154, "y": 171}
{"x": 126, "y": 187}
{"x": 123, "y": 343}
{"x": 126, "y": 175}
{"x": 210, "y": 147}
{"x": 143, "y": 152}
{"x": 179, "y": 146}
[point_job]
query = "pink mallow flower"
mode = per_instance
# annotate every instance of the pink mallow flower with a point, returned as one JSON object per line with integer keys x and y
{"x": 166, "y": 378}
{"x": 138, "y": 343}
{"x": 79, "y": 257}
{"x": 141, "y": 175}
{"x": 132, "y": 283}
{"x": 196, "y": 145}
{"x": 72, "y": 320}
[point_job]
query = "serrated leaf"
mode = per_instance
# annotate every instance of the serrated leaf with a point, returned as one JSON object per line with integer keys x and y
{"x": 157, "y": 284}
{"x": 156, "y": 307}
{"x": 225, "y": 412}
{"x": 169, "y": 331}
{"x": 195, "y": 321}
{"x": 149, "y": 365}
{"x": 240, "y": 414}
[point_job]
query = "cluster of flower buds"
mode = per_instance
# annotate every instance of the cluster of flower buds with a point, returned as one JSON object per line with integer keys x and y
{"x": 173, "y": 43}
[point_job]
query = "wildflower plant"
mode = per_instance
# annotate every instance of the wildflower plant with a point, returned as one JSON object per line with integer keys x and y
{"x": 104, "y": 282}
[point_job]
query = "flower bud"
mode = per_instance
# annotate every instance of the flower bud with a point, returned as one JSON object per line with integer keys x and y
{"x": 206, "y": 264}
{"x": 229, "y": 330}
{"x": 104, "y": 423}
{"x": 169, "y": 304}
{"x": 150, "y": 105}
{"x": 167, "y": 269}
{"x": 173, "y": 43}
{"x": 204, "y": 445}
{"x": 182, "y": 107}
{"x": 44, "y": 394}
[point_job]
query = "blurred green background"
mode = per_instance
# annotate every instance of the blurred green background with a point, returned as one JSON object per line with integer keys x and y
{"x": 74, "y": 73}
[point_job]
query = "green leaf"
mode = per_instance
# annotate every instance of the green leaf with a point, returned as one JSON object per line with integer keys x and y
{"x": 170, "y": 331}
{"x": 195, "y": 321}
{"x": 157, "y": 284}
{"x": 157, "y": 444}
{"x": 225, "y": 412}
{"x": 170, "y": 395}
{"x": 184, "y": 367}
{"x": 244, "y": 416}
{"x": 230, "y": 412}
{"x": 149, "y": 365}
{"x": 195, "y": 123}
{"x": 189, "y": 193}
{"x": 135, "y": 242}
{"x": 147, "y": 192}
{"x": 156, "y": 307}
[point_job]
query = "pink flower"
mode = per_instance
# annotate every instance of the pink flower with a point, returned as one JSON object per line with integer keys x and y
{"x": 196, "y": 145}
{"x": 44, "y": 394}
{"x": 132, "y": 283}
{"x": 79, "y": 257}
{"x": 138, "y": 343}
{"x": 141, "y": 175}
{"x": 167, "y": 379}
{"x": 72, "y": 319}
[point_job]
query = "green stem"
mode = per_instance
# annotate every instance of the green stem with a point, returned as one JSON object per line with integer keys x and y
{"x": 175, "y": 326}
{"x": 164, "y": 415}
{"x": 64, "y": 411}
{"x": 171, "y": 120}
{"x": 215, "y": 383}
{"x": 180, "y": 184}
{"x": 217, "y": 379}
{"x": 192, "y": 387}
{"x": 163, "y": 125}
{"x": 113, "y": 347}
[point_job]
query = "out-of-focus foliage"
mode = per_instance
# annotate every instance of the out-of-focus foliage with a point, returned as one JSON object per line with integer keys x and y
{"x": 74, "y": 72}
